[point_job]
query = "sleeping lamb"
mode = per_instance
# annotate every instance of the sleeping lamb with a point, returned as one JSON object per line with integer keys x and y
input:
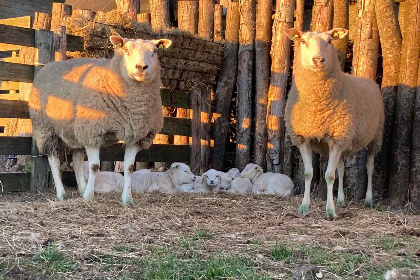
{"x": 91, "y": 103}
{"x": 330, "y": 112}
{"x": 268, "y": 183}
{"x": 105, "y": 181}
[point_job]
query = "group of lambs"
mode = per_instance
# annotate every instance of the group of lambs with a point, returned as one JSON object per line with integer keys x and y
{"x": 91, "y": 103}
{"x": 179, "y": 178}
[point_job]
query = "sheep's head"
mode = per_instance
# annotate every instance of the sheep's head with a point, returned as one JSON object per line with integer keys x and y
{"x": 181, "y": 173}
{"x": 140, "y": 60}
{"x": 316, "y": 50}
{"x": 228, "y": 177}
{"x": 212, "y": 178}
{"x": 251, "y": 170}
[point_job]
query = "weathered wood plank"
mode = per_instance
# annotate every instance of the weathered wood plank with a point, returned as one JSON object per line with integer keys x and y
{"x": 14, "y": 109}
{"x": 156, "y": 153}
{"x": 176, "y": 126}
{"x": 74, "y": 43}
{"x": 177, "y": 99}
{"x": 17, "y": 35}
{"x": 8, "y": 47}
{"x": 16, "y": 72}
{"x": 15, "y": 145}
{"x": 24, "y": 22}
{"x": 14, "y": 182}
{"x": 10, "y": 59}
{"x": 7, "y": 85}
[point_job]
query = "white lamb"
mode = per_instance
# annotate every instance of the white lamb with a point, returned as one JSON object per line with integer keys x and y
{"x": 330, "y": 112}
{"x": 241, "y": 185}
{"x": 105, "y": 181}
{"x": 166, "y": 182}
{"x": 268, "y": 183}
{"x": 228, "y": 177}
{"x": 211, "y": 180}
{"x": 91, "y": 103}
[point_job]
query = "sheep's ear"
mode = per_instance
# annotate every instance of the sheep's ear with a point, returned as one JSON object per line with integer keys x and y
{"x": 294, "y": 34}
{"x": 174, "y": 165}
{"x": 338, "y": 33}
{"x": 166, "y": 43}
{"x": 117, "y": 41}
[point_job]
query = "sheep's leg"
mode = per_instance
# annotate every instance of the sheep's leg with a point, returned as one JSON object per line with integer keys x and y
{"x": 129, "y": 158}
{"x": 93, "y": 157}
{"x": 340, "y": 198}
{"x": 54, "y": 162}
{"x": 78, "y": 158}
{"x": 306, "y": 152}
{"x": 369, "y": 169}
{"x": 334, "y": 158}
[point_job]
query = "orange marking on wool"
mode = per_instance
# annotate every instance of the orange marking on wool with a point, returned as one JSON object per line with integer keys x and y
{"x": 86, "y": 113}
{"x": 59, "y": 109}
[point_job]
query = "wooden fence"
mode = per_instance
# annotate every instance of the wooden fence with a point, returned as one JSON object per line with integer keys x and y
{"x": 11, "y": 37}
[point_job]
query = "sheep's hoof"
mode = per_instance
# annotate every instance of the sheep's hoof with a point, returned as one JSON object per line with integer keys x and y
{"x": 88, "y": 197}
{"x": 62, "y": 197}
{"x": 81, "y": 191}
{"x": 127, "y": 201}
{"x": 330, "y": 213}
{"x": 369, "y": 202}
{"x": 303, "y": 209}
{"x": 341, "y": 203}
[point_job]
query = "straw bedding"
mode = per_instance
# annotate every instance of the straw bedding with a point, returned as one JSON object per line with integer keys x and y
{"x": 191, "y": 62}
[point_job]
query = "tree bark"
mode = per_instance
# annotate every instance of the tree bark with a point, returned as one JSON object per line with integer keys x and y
{"x": 218, "y": 23}
{"x": 321, "y": 15}
{"x": 128, "y": 7}
{"x": 244, "y": 82}
{"x": 144, "y": 18}
{"x": 206, "y": 19}
{"x": 159, "y": 14}
{"x": 262, "y": 81}
{"x": 390, "y": 37}
{"x": 341, "y": 20}
{"x": 365, "y": 60}
{"x": 225, "y": 85}
{"x": 188, "y": 16}
{"x": 403, "y": 128}
{"x": 280, "y": 63}
{"x": 415, "y": 154}
{"x": 300, "y": 9}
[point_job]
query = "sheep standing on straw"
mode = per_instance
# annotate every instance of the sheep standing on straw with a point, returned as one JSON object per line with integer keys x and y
{"x": 330, "y": 112}
{"x": 91, "y": 103}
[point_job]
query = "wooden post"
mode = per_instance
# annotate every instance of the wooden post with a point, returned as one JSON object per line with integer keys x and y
{"x": 128, "y": 7}
{"x": 414, "y": 197}
{"x": 300, "y": 9}
{"x": 218, "y": 23}
{"x": 59, "y": 12}
{"x": 159, "y": 12}
{"x": 188, "y": 16}
{"x": 225, "y": 85}
{"x": 195, "y": 156}
{"x": 143, "y": 18}
{"x": 42, "y": 21}
{"x": 391, "y": 40}
{"x": 321, "y": 15}
{"x": 44, "y": 42}
{"x": 206, "y": 19}
{"x": 341, "y": 20}
{"x": 402, "y": 134}
{"x": 280, "y": 52}
{"x": 60, "y": 43}
{"x": 262, "y": 73}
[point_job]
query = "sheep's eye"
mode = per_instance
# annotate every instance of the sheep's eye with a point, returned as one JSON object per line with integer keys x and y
{"x": 256, "y": 167}
{"x": 186, "y": 171}
{"x": 329, "y": 41}
{"x": 303, "y": 41}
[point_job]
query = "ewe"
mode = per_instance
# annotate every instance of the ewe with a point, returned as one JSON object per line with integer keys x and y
{"x": 330, "y": 112}
{"x": 168, "y": 181}
{"x": 268, "y": 183}
{"x": 91, "y": 103}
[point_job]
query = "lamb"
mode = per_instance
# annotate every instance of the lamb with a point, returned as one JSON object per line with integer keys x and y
{"x": 241, "y": 185}
{"x": 91, "y": 103}
{"x": 211, "y": 180}
{"x": 105, "y": 181}
{"x": 166, "y": 182}
{"x": 268, "y": 183}
{"x": 228, "y": 177}
{"x": 330, "y": 112}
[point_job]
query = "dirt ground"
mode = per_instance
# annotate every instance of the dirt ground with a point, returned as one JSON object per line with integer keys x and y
{"x": 267, "y": 230}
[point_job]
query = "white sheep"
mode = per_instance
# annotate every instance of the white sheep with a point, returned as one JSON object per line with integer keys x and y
{"x": 166, "y": 182}
{"x": 268, "y": 183}
{"x": 228, "y": 177}
{"x": 105, "y": 181}
{"x": 211, "y": 179}
{"x": 240, "y": 185}
{"x": 330, "y": 112}
{"x": 91, "y": 103}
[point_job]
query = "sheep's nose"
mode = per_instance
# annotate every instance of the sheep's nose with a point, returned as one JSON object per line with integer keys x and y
{"x": 142, "y": 67}
{"x": 212, "y": 181}
{"x": 318, "y": 60}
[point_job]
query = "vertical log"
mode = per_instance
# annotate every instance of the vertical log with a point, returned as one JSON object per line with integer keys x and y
{"x": 60, "y": 43}
{"x": 144, "y": 18}
{"x": 403, "y": 127}
{"x": 128, "y": 7}
{"x": 321, "y": 15}
{"x": 195, "y": 156}
{"x": 390, "y": 37}
{"x": 42, "y": 21}
{"x": 244, "y": 81}
{"x": 341, "y": 20}
{"x": 162, "y": 138}
{"x": 300, "y": 9}
{"x": 365, "y": 60}
{"x": 59, "y": 12}
{"x": 206, "y": 19}
{"x": 44, "y": 43}
{"x": 262, "y": 81}
{"x": 225, "y": 85}
{"x": 415, "y": 153}
{"x": 159, "y": 13}
{"x": 188, "y": 16}
{"x": 218, "y": 23}
{"x": 280, "y": 57}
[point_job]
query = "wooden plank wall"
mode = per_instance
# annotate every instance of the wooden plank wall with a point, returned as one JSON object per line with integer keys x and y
{"x": 18, "y": 8}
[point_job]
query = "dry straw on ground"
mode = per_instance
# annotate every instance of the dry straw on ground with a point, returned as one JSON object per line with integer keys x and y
{"x": 190, "y": 63}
